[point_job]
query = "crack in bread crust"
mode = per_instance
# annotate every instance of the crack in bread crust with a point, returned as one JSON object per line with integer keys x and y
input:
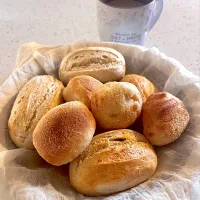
{"x": 34, "y": 100}
{"x": 92, "y": 60}
{"x": 103, "y": 63}
{"x": 33, "y": 120}
{"x": 110, "y": 141}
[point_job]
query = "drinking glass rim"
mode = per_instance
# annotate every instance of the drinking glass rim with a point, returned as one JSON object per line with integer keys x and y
{"x": 143, "y": 5}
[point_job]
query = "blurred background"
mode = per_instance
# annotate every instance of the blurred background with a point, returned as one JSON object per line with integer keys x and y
{"x": 177, "y": 33}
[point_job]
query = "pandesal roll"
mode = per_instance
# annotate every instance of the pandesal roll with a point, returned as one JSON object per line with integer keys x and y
{"x": 80, "y": 88}
{"x": 64, "y": 133}
{"x": 164, "y": 118}
{"x": 116, "y": 105}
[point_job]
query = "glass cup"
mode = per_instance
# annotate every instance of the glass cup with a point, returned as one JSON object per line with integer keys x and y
{"x": 127, "y": 21}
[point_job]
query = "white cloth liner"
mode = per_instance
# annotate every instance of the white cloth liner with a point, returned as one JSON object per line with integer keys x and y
{"x": 25, "y": 176}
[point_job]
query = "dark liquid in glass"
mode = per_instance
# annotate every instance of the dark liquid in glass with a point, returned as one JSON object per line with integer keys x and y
{"x": 126, "y": 3}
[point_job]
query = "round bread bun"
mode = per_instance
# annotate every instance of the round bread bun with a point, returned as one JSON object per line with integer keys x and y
{"x": 64, "y": 133}
{"x": 80, "y": 88}
{"x": 145, "y": 87}
{"x": 34, "y": 100}
{"x": 103, "y": 63}
{"x": 116, "y": 105}
{"x": 114, "y": 161}
{"x": 164, "y": 118}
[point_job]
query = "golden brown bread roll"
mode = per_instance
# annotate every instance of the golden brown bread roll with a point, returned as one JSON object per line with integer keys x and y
{"x": 64, "y": 132}
{"x": 114, "y": 161}
{"x": 145, "y": 87}
{"x": 164, "y": 118}
{"x": 116, "y": 105}
{"x": 80, "y": 88}
{"x": 104, "y": 64}
{"x": 35, "y": 99}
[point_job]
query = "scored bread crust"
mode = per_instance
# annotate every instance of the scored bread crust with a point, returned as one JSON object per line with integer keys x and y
{"x": 104, "y": 64}
{"x": 116, "y": 105}
{"x": 64, "y": 132}
{"x": 80, "y": 88}
{"x": 114, "y": 161}
{"x": 164, "y": 118}
{"x": 35, "y": 99}
{"x": 145, "y": 87}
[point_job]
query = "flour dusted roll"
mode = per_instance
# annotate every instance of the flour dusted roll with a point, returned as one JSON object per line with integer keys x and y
{"x": 104, "y": 64}
{"x": 114, "y": 161}
{"x": 164, "y": 118}
{"x": 116, "y": 105}
{"x": 35, "y": 99}
{"x": 64, "y": 132}
{"x": 80, "y": 88}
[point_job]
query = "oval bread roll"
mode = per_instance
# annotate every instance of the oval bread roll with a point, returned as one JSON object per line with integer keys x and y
{"x": 80, "y": 88}
{"x": 104, "y": 64}
{"x": 64, "y": 133}
{"x": 116, "y": 105}
{"x": 145, "y": 87}
{"x": 35, "y": 99}
{"x": 164, "y": 118}
{"x": 114, "y": 161}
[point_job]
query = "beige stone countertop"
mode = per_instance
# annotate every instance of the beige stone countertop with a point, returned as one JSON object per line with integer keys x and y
{"x": 177, "y": 33}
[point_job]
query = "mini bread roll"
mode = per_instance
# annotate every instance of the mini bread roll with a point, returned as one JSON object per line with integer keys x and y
{"x": 164, "y": 118}
{"x": 35, "y": 99}
{"x": 104, "y": 64}
{"x": 80, "y": 88}
{"x": 116, "y": 105}
{"x": 64, "y": 133}
{"x": 145, "y": 87}
{"x": 114, "y": 161}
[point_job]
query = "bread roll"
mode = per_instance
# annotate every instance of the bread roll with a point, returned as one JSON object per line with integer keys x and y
{"x": 114, "y": 161}
{"x": 116, "y": 105}
{"x": 145, "y": 87}
{"x": 164, "y": 118}
{"x": 104, "y": 64}
{"x": 64, "y": 132}
{"x": 80, "y": 88}
{"x": 35, "y": 99}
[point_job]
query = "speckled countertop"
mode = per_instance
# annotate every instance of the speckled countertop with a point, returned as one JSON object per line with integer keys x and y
{"x": 177, "y": 33}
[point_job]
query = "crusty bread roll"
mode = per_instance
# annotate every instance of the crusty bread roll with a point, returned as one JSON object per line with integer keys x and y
{"x": 116, "y": 105}
{"x": 164, "y": 118}
{"x": 64, "y": 132}
{"x": 35, "y": 99}
{"x": 104, "y": 64}
{"x": 80, "y": 88}
{"x": 114, "y": 161}
{"x": 145, "y": 87}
